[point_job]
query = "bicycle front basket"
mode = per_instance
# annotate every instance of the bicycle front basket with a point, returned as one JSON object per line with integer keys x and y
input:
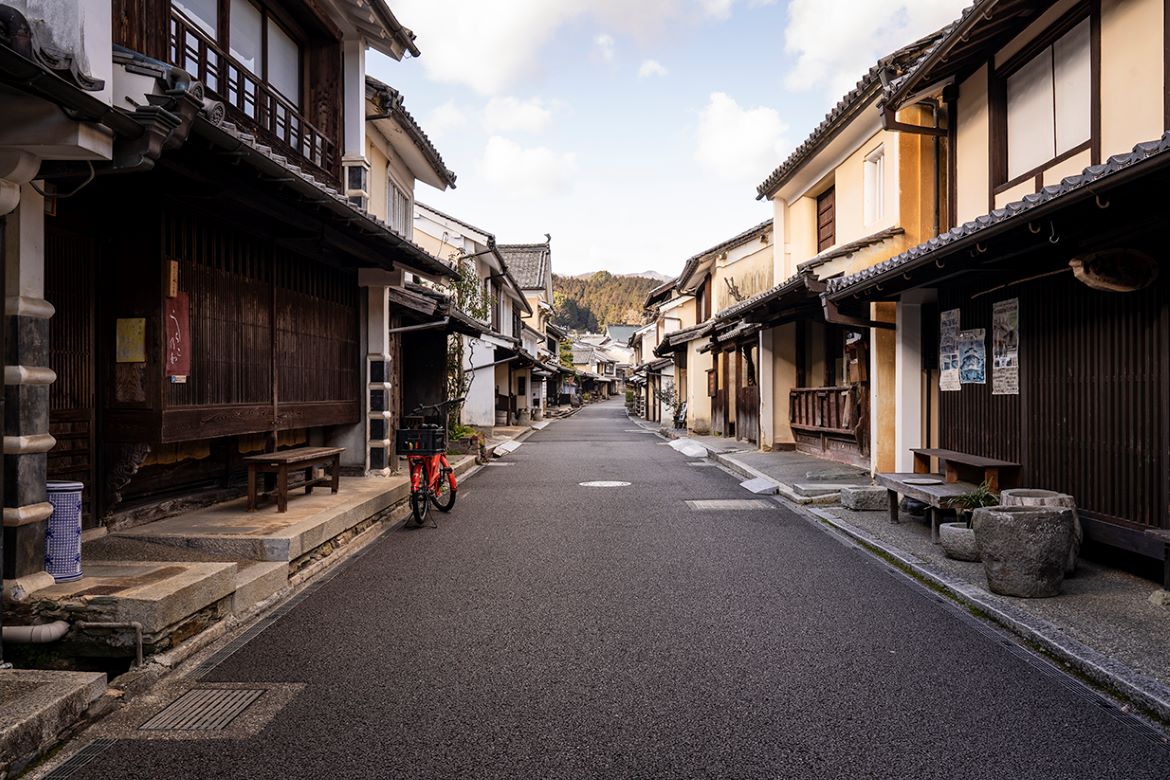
{"x": 420, "y": 441}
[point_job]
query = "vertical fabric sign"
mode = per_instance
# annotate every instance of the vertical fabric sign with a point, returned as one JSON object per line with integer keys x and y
{"x": 973, "y": 356}
{"x": 176, "y": 317}
{"x": 948, "y": 350}
{"x": 1005, "y": 347}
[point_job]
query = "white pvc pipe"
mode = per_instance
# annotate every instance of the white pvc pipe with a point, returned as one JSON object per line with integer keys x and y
{"x": 36, "y": 635}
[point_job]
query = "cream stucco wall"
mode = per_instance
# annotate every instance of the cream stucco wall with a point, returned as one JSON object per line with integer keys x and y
{"x": 972, "y": 148}
{"x": 751, "y": 274}
{"x": 383, "y": 164}
{"x": 1132, "y": 95}
{"x": 1132, "y": 92}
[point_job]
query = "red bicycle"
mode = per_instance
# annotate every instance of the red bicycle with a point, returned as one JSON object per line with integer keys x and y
{"x": 432, "y": 480}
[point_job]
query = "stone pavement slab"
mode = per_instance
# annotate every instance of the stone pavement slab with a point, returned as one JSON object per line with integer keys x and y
{"x": 157, "y": 594}
{"x": 37, "y": 707}
{"x": 230, "y": 531}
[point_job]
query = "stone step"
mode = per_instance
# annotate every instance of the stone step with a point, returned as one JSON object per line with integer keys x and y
{"x": 38, "y": 707}
{"x": 818, "y": 489}
{"x": 257, "y": 581}
{"x": 228, "y": 530}
{"x": 158, "y": 594}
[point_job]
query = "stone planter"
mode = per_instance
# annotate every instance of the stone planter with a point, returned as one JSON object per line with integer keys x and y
{"x": 1031, "y": 497}
{"x": 523, "y": 417}
{"x": 958, "y": 541}
{"x": 1024, "y": 549}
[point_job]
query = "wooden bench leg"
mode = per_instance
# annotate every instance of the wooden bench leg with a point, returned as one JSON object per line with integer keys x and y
{"x": 309, "y": 481}
{"x": 893, "y": 496}
{"x": 934, "y": 513}
{"x": 336, "y": 473}
{"x": 282, "y": 489}
{"x": 251, "y": 488}
{"x": 1166, "y": 567}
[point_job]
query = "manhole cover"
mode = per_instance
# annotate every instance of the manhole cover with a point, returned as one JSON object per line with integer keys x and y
{"x": 730, "y": 504}
{"x": 500, "y": 463}
{"x": 603, "y": 483}
{"x": 702, "y": 464}
{"x": 203, "y": 709}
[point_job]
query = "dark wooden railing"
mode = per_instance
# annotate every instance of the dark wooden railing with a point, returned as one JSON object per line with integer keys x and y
{"x": 826, "y": 409}
{"x": 251, "y": 100}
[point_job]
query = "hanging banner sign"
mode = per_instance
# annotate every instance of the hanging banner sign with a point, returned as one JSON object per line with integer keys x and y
{"x": 948, "y": 350}
{"x": 973, "y": 356}
{"x": 176, "y": 317}
{"x": 1005, "y": 347}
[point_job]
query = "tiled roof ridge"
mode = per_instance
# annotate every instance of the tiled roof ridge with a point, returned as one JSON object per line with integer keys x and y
{"x": 393, "y": 102}
{"x": 1068, "y": 185}
{"x": 867, "y": 87}
{"x": 693, "y": 260}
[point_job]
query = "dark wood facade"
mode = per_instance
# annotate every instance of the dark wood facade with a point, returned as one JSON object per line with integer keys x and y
{"x": 1091, "y": 418}
{"x": 274, "y": 341}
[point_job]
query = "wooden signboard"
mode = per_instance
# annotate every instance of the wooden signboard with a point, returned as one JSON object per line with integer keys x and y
{"x": 176, "y": 316}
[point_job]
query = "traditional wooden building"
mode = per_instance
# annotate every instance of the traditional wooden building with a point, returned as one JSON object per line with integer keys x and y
{"x": 853, "y": 193}
{"x": 202, "y": 294}
{"x": 1037, "y": 331}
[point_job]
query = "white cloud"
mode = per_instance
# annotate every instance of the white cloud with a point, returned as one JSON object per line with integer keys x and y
{"x": 510, "y": 114}
{"x": 836, "y": 41}
{"x": 461, "y": 39}
{"x": 652, "y": 68}
{"x": 444, "y": 118}
{"x": 606, "y": 47}
{"x": 736, "y": 143}
{"x": 525, "y": 172}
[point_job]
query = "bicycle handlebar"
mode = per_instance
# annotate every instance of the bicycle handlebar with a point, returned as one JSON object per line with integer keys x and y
{"x": 437, "y": 407}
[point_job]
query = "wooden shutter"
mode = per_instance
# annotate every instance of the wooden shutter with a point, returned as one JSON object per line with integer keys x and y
{"x": 826, "y": 219}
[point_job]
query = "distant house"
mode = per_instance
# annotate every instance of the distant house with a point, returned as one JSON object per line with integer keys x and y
{"x": 620, "y": 334}
{"x": 532, "y": 266}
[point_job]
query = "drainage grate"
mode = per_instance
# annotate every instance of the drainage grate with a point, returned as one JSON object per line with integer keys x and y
{"x": 203, "y": 709}
{"x": 730, "y": 504}
{"x": 79, "y": 759}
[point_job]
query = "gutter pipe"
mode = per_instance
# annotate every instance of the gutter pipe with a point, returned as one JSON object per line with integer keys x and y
{"x": 36, "y": 635}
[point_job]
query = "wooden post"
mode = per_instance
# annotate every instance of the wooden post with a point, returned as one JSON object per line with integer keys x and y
{"x": 893, "y": 496}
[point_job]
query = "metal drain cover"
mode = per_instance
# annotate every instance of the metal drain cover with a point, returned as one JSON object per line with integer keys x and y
{"x": 730, "y": 504}
{"x": 203, "y": 709}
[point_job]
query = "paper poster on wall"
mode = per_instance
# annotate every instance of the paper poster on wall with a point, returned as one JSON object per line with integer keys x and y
{"x": 973, "y": 356}
{"x": 130, "y": 340}
{"x": 1005, "y": 347}
{"x": 948, "y": 350}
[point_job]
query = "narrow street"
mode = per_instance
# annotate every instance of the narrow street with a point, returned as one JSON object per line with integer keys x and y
{"x": 548, "y": 629}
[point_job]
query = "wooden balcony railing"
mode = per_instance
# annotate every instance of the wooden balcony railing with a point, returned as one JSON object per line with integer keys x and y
{"x": 251, "y": 100}
{"x": 827, "y": 409}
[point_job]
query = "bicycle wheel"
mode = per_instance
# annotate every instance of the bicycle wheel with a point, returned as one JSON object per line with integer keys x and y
{"x": 419, "y": 506}
{"x": 443, "y": 496}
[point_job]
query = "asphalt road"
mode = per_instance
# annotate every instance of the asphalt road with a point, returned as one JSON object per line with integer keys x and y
{"x": 549, "y": 630}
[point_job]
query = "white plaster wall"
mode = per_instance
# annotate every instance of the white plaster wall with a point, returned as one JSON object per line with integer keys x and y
{"x": 479, "y": 409}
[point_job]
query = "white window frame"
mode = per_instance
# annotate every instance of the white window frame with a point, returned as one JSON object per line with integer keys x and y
{"x": 875, "y": 185}
{"x": 399, "y": 208}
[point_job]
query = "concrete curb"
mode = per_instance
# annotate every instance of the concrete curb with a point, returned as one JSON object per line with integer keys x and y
{"x": 1117, "y": 678}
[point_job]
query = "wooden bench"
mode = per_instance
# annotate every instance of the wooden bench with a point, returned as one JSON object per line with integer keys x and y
{"x": 957, "y": 466}
{"x": 937, "y": 497}
{"x": 301, "y": 458}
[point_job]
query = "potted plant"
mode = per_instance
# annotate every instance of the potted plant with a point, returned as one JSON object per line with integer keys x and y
{"x": 958, "y": 538}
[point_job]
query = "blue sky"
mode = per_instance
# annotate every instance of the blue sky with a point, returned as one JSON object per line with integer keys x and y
{"x": 635, "y": 132}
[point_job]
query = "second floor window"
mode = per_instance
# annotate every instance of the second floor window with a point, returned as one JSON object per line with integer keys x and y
{"x": 399, "y": 209}
{"x": 826, "y": 219}
{"x": 875, "y": 185}
{"x": 255, "y": 40}
{"x": 1049, "y": 103}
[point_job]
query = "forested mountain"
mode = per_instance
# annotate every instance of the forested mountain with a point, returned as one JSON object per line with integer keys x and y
{"x": 599, "y": 299}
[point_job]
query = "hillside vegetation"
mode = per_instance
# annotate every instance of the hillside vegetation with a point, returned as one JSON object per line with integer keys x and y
{"x": 600, "y": 299}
